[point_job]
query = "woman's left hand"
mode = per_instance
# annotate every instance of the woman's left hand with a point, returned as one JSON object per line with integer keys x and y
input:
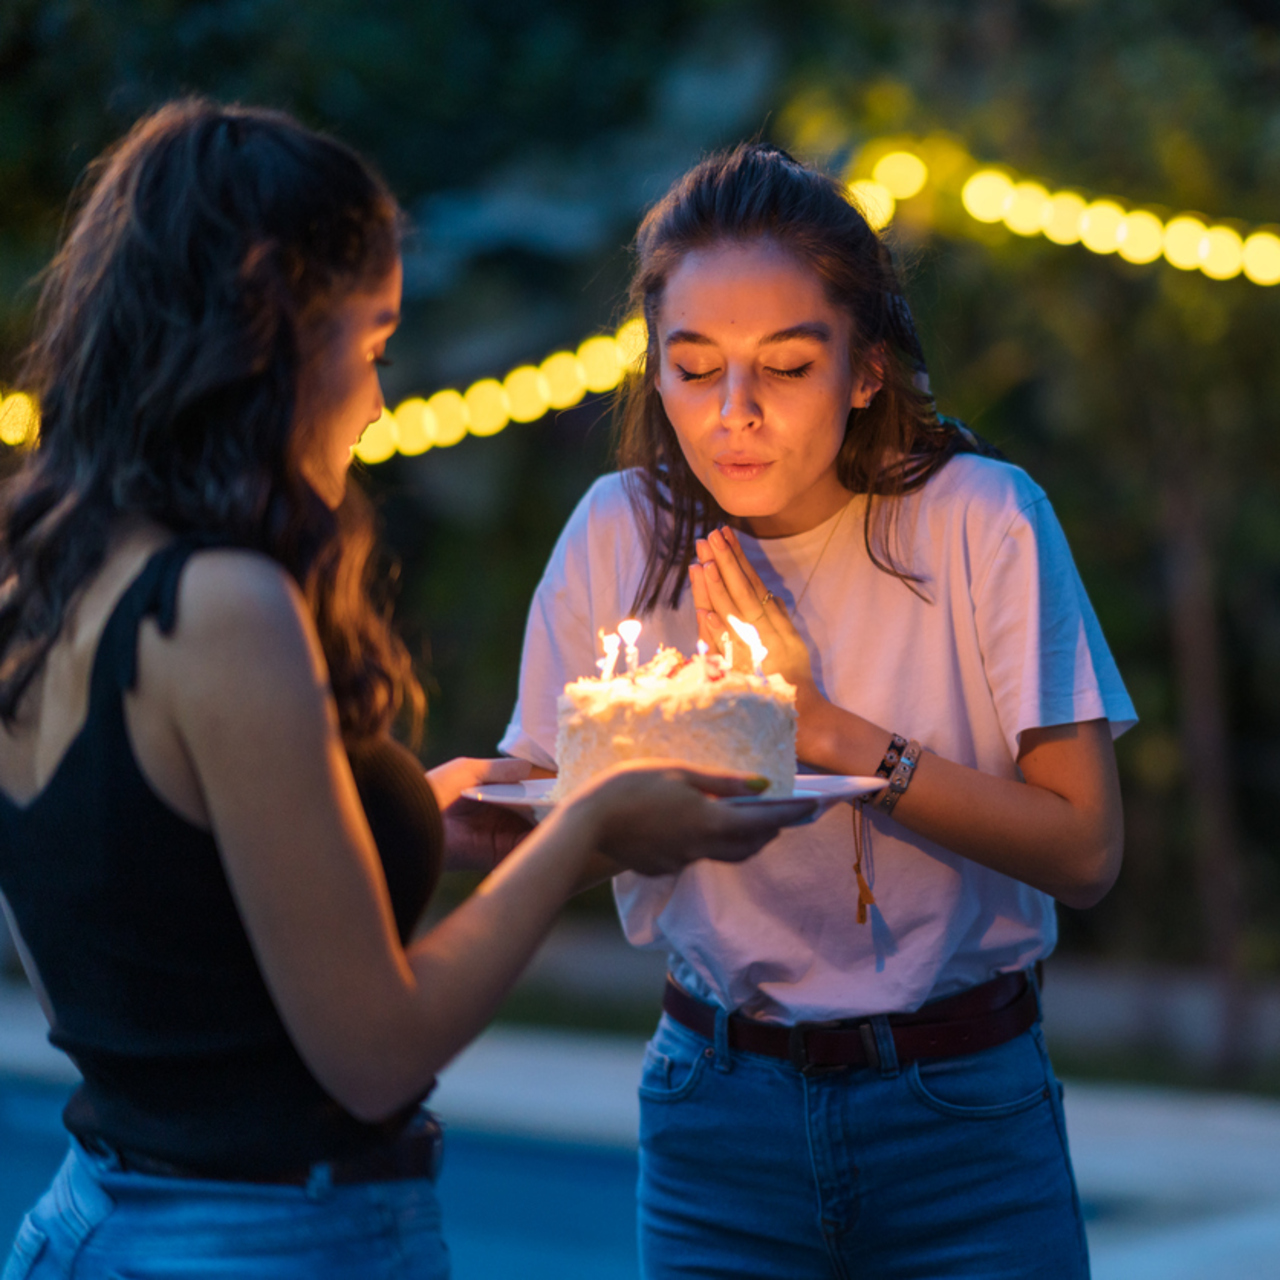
{"x": 724, "y": 583}
{"x": 477, "y": 836}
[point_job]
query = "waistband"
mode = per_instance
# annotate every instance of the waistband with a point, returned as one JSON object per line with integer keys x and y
{"x": 981, "y": 1017}
{"x": 416, "y": 1152}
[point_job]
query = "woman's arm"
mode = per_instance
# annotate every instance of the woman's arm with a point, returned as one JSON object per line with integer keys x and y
{"x": 1061, "y": 830}
{"x": 244, "y": 682}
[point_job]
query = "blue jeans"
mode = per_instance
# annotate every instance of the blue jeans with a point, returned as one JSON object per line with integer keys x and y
{"x": 948, "y": 1167}
{"x": 98, "y": 1223}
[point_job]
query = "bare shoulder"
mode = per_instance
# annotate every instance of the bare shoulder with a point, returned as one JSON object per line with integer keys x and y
{"x": 238, "y": 605}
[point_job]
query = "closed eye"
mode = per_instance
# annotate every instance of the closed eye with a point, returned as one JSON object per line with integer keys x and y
{"x": 687, "y": 375}
{"x": 798, "y": 372}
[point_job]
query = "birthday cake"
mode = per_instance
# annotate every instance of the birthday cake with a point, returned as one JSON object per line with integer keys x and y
{"x": 698, "y": 710}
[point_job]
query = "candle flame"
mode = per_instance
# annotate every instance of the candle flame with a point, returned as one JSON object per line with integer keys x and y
{"x": 703, "y": 648}
{"x": 629, "y": 630}
{"x": 610, "y": 660}
{"x": 748, "y": 633}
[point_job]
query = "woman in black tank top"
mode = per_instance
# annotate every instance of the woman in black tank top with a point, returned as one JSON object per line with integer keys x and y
{"x": 213, "y": 853}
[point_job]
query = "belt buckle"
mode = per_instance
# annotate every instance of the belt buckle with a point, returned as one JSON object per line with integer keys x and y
{"x": 798, "y": 1053}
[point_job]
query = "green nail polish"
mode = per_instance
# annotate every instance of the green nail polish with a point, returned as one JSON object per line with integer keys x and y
{"x": 757, "y": 784}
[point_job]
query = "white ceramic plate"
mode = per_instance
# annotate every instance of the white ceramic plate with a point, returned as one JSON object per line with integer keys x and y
{"x": 827, "y": 789}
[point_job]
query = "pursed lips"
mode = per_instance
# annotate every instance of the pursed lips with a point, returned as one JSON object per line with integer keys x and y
{"x": 740, "y": 467}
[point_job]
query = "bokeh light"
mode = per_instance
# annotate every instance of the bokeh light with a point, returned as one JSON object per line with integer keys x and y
{"x": 415, "y": 426}
{"x": 19, "y": 419}
{"x": 1100, "y": 225}
{"x": 1026, "y": 208}
{"x": 1182, "y": 239}
{"x": 1062, "y": 218}
{"x": 1262, "y": 258}
{"x": 1141, "y": 237}
{"x": 566, "y": 379}
{"x": 449, "y": 411}
{"x": 488, "y": 408}
{"x": 875, "y": 200}
{"x": 601, "y": 363}
{"x": 633, "y": 342}
{"x": 1222, "y": 253}
{"x": 379, "y": 440}
{"x": 902, "y": 173}
{"x": 528, "y": 395}
{"x": 984, "y": 195}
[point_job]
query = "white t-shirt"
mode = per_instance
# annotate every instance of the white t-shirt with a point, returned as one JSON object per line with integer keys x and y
{"x": 1005, "y": 640}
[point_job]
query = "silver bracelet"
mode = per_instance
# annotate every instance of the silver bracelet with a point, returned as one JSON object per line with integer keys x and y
{"x": 903, "y": 772}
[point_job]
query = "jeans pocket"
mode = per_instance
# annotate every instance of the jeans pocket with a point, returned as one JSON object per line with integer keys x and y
{"x": 997, "y": 1082}
{"x": 26, "y": 1251}
{"x": 673, "y": 1065}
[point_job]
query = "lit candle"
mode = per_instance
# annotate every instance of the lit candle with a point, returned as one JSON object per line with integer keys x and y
{"x": 629, "y": 630}
{"x": 702, "y": 648}
{"x": 726, "y": 646}
{"x": 748, "y": 633}
{"x": 610, "y": 659}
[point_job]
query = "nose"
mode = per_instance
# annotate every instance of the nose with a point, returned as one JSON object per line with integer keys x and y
{"x": 739, "y": 408}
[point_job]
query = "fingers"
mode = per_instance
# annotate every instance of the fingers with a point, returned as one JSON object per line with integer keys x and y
{"x": 720, "y": 783}
{"x": 506, "y": 769}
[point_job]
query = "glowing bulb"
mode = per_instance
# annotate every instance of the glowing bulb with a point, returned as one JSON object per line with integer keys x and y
{"x": 1100, "y": 226}
{"x": 1221, "y": 253}
{"x": 1141, "y": 237}
{"x": 633, "y": 342}
{"x": 1026, "y": 208}
{"x": 19, "y": 419}
{"x": 378, "y": 442}
{"x": 601, "y": 363}
{"x": 902, "y": 173}
{"x": 527, "y": 394}
{"x": 414, "y": 426}
{"x": 1062, "y": 217}
{"x": 566, "y": 379}
{"x": 984, "y": 195}
{"x": 449, "y": 411}
{"x": 1262, "y": 258}
{"x": 487, "y": 407}
{"x": 752, "y": 637}
{"x": 876, "y": 202}
{"x": 1182, "y": 239}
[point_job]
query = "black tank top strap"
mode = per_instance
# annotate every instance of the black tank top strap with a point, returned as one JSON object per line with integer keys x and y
{"x": 153, "y": 593}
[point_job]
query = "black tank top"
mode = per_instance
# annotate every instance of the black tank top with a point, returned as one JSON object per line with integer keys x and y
{"x": 130, "y": 920}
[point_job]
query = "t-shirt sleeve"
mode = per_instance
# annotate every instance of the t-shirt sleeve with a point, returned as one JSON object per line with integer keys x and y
{"x": 1046, "y": 660}
{"x": 559, "y": 642}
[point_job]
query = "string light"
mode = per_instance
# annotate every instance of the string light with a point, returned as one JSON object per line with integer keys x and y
{"x": 19, "y": 419}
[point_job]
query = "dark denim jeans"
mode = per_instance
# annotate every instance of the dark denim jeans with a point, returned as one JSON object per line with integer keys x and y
{"x": 943, "y": 1168}
{"x": 98, "y": 1223}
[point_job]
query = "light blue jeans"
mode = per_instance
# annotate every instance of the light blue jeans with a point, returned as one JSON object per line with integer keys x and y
{"x": 944, "y": 1168}
{"x": 98, "y": 1223}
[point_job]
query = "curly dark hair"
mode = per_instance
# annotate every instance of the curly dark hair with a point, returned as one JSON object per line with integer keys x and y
{"x": 165, "y": 362}
{"x": 890, "y": 448}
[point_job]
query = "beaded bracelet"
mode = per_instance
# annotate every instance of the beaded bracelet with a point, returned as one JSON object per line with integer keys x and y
{"x": 897, "y": 745}
{"x": 900, "y": 780}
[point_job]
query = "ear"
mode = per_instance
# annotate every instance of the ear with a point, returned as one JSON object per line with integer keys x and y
{"x": 869, "y": 381}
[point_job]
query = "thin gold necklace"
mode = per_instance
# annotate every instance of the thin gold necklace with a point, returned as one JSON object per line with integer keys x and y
{"x": 831, "y": 533}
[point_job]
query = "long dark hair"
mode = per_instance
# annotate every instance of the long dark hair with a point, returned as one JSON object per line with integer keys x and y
{"x": 890, "y": 448}
{"x": 165, "y": 363}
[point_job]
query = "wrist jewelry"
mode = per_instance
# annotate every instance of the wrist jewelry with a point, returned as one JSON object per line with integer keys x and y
{"x": 897, "y": 745}
{"x": 900, "y": 780}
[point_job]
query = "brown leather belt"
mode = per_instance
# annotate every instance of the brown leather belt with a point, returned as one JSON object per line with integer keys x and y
{"x": 415, "y": 1153}
{"x": 979, "y": 1018}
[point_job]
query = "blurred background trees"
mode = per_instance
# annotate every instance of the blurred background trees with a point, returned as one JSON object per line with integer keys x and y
{"x": 526, "y": 139}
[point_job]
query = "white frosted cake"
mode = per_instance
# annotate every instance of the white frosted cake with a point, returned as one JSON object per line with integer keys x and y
{"x": 692, "y": 709}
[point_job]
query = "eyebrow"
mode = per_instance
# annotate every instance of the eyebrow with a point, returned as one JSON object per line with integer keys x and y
{"x": 814, "y": 330}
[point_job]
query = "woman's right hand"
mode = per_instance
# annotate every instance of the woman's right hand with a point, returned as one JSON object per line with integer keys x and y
{"x": 656, "y": 816}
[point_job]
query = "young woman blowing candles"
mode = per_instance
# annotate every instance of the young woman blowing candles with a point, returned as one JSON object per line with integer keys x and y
{"x": 211, "y": 849}
{"x": 849, "y": 1076}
